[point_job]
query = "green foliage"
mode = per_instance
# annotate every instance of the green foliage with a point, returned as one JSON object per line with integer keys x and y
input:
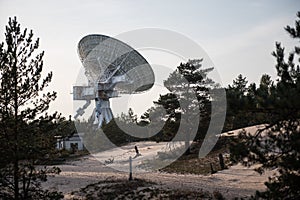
{"x": 188, "y": 80}
{"x": 239, "y": 86}
{"x": 26, "y": 129}
{"x": 110, "y": 135}
{"x": 249, "y": 105}
{"x": 236, "y": 102}
{"x": 278, "y": 144}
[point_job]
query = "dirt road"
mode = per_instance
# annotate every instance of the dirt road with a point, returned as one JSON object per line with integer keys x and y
{"x": 237, "y": 181}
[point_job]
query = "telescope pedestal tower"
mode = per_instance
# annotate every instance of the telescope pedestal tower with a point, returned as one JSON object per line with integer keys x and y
{"x": 103, "y": 111}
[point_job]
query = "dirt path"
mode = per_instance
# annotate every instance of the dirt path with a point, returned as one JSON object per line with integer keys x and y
{"x": 236, "y": 181}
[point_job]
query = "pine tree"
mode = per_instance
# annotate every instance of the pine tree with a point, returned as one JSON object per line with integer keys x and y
{"x": 237, "y": 103}
{"x": 239, "y": 86}
{"x": 25, "y": 125}
{"x": 278, "y": 145}
{"x": 190, "y": 86}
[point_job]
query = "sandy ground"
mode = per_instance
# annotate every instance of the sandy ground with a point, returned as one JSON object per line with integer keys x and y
{"x": 237, "y": 181}
{"x": 251, "y": 129}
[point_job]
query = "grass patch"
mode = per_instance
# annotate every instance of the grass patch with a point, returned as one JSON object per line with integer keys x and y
{"x": 191, "y": 164}
{"x": 136, "y": 189}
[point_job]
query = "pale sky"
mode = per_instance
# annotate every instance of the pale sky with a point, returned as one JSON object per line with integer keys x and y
{"x": 238, "y": 36}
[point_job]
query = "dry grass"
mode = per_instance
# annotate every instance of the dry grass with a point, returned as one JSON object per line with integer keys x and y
{"x": 191, "y": 164}
{"x": 135, "y": 189}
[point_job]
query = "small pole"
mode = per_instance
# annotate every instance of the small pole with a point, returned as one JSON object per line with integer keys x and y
{"x": 136, "y": 151}
{"x": 130, "y": 168}
{"x": 212, "y": 171}
{"x": 221, "y": 160}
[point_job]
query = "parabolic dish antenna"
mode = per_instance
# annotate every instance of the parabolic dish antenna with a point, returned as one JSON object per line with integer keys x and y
{"x": 111, "y": 67}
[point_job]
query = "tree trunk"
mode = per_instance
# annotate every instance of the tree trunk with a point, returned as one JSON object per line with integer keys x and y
{"x": 16, "y": 149}
{"x": 16, "y": 178}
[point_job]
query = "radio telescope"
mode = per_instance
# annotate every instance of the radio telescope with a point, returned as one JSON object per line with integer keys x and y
{"x": 111, "y": 68}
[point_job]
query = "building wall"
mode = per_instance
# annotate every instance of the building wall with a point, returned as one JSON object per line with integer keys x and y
{"x": 61, "y": 144}
{"x": 69, "y": 147}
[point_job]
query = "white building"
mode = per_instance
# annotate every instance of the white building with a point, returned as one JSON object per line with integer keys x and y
{"x": 71, "y": 142}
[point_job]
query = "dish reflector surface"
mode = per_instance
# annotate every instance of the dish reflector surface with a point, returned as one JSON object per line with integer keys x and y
{"x": 105, "y": 58}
